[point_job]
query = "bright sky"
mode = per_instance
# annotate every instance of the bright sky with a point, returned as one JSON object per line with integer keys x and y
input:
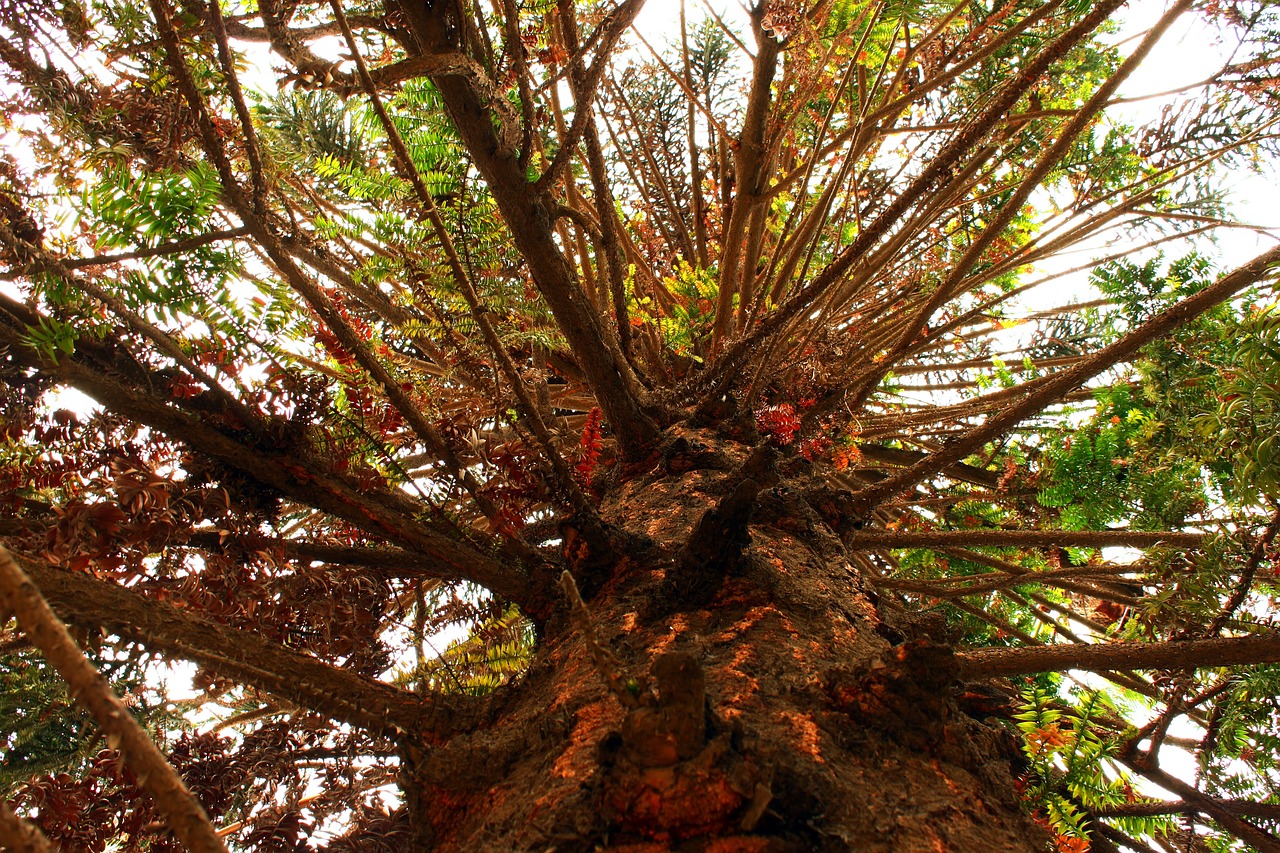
{"x": 1188, "y": 54}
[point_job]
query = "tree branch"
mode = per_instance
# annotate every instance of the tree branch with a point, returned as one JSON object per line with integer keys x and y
{"x": 1049, "y": 160}
{"x": 1230, "y": 651}
{"x": 250, "y": 659}
{"x": 1244, "y": 808}
{"x": 410, "y": 563}
{"x": 751, "y": 161}
{"x": 21, "y": 836}
{"x": 585, "y": 83}
{"x": 938, "y": 170}
{"x": 902, "y": 457}
{"x": 381, "y": 515}
{"x": 1245, "y": 584}
{"x": 1060, "y": 383}
{"x": 172, "y": 247}
{"x": 1258, "y": 839}
{"x": 530, "y": 218}
{"x": 180, "y": 809}
{"x": 871, "y": 540}
{"x": 565, "y": 482}
{"x": 242, "y": 31}
{"x": 227, "y": 61}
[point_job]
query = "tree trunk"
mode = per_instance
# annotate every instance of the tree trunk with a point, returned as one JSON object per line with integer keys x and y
{"x": 733, "y": 688}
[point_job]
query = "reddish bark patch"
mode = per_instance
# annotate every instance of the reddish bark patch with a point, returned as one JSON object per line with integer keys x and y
{"x": 820, "y": 734}
{"x": 687, "y": 800}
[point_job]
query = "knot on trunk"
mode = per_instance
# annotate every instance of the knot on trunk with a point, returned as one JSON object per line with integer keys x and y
{"x": 838, "y": 509}
{"x": 682, "y": 455}
{"x": 593, "y": 550}
{"x": 674, "y": 770}
{"x": 907, "y": 693}
{"x": 716, "y": 547}
{"x": 671, "y": 726}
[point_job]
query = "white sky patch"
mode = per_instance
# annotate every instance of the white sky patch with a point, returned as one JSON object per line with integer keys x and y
{"x": 72, "y": 399}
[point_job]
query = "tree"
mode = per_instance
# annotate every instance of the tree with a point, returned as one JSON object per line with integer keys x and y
{"x": 541, "y": 439}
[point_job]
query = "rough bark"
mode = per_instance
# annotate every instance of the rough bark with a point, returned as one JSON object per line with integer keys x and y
{"x": 728, "y": 682}
{"x": 774, "y": 710}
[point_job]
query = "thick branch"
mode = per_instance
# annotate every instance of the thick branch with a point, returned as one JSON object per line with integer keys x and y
{"x": 876, "y": 540}
{"x": 303, "y": 284}
{"x": 750, "y": 165}
{"x": 252, "y": 660}
{"x": 1258, "y": 839}
{"x": 1245, "y": 808}
{"x": 394, "y": 560}
{"x": 1050, "y": 159}
{"x": 567, "y": 485}
{"x": 181, "y": 810}
{"x": 586, "y": 82}
{"x": 941, "y": 167}
{"x": 1230, "y": 651}
{"x": 530, "y": 216}
{"x": 901, "y": 457}
{"x": 379, "y": 516}
{"x": 240, "y": 30}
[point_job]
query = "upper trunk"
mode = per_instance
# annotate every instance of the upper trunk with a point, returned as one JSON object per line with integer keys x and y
{"x": 767, "y": 704}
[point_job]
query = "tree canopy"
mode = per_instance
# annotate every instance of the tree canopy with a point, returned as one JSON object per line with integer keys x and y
{"x": 339, "y": 340}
